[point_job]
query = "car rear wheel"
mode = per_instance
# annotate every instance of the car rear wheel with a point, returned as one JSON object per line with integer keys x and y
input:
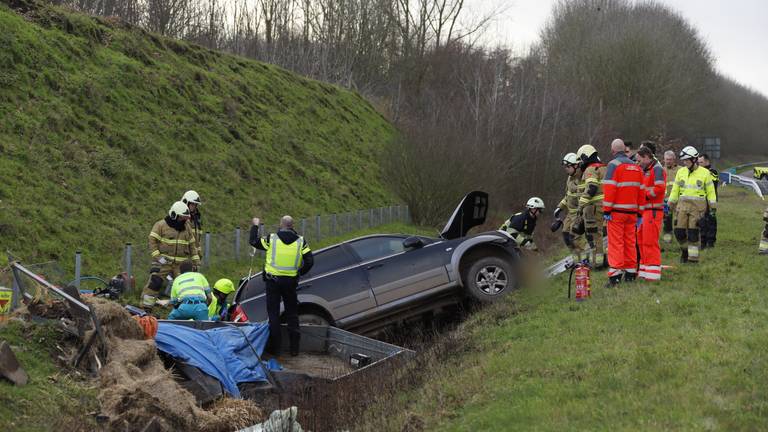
{"x": 764, "y": 177}
{"x": 489, "y": 279}
{"x": 313, "y": 319}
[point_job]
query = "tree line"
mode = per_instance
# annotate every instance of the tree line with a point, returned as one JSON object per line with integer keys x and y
{"x": 474, "y": 117}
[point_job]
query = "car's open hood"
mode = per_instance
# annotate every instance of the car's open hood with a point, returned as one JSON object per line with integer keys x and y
{"x": 470, "y": 213}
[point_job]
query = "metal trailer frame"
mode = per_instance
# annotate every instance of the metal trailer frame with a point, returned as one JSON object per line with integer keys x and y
{"x": 79, "y": 310}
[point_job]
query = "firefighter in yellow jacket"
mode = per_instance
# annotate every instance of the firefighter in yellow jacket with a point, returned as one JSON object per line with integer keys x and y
{"x": 193, "y": 202}
{"x": 692, "y": 192}
{"x": 764, "y": 240}
{"x": 591, "y": 203}
{"x": 573, "y": 237}
{"x": 171, "y": 242}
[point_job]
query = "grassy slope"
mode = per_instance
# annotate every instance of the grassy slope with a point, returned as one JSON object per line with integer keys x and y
{"x": 102, "y": 127}
{"x": 690, "y": 353}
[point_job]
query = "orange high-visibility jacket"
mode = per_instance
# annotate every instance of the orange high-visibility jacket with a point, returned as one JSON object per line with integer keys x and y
{"x": 621, "y": 186}
{"x": 654, "y": 187}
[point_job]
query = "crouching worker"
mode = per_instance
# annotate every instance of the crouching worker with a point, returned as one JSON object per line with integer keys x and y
{"x": 190, "y": 295}
{"x": 217, "y": 310}
{"x": 521, "y": 225}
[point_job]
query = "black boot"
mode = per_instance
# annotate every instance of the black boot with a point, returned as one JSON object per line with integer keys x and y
{"x": 294, "y": 343}
{"x": 630, "y": 277}
{"x": 613, "y": 281}
{"x": 684, "y": 256}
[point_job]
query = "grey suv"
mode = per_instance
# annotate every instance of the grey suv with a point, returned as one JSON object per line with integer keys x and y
{"x": 370, "y": 282}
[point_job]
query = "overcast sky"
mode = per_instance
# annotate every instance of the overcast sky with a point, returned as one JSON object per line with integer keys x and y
{"x": 735, "y": 30}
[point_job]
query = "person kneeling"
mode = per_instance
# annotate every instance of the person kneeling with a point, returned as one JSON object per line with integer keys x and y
{"x": 190, "y": 295}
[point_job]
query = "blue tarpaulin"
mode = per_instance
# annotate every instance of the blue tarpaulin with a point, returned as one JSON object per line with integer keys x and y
{"x": 223, "y": 353}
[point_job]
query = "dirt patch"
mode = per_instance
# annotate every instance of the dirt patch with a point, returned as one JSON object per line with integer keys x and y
{"x": 51, "y": 309}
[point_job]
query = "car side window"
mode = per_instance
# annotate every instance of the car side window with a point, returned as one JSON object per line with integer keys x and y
{"x": 329, "y": 260}
{"x": 377, "y": 247}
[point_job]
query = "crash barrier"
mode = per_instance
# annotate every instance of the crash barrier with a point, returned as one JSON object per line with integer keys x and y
{"x": 759, "y": 187}
{"x": 737, "y": 168}
{"x": 29, "y": 286}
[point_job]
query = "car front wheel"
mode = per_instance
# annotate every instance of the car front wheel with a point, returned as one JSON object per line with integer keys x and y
{"x": 489, "y": 279}
{"x": 313, "y": 319}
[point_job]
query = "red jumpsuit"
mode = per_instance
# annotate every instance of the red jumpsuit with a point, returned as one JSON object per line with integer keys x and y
{"x": 654, "y": 186}
{"x": 621, "y": 187}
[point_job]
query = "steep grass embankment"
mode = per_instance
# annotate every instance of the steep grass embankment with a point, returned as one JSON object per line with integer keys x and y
{"x": 103, "y": 126}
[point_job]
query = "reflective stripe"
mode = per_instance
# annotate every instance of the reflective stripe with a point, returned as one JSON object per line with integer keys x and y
{"x": 625, "y": 206}
{"x": 628, "y": 184}
{"x": 693, "y": 251}
{"x": 155, "y": 253}
{"x": 763, "y": 246}
{"x": 691, "y": 198}
{"x": 610, "y": 182}
{"x": 614, "y": 272}
{"x": 659, "y": 182}
{"x": 171, "y": 241}
{"x": 180, "y": 259}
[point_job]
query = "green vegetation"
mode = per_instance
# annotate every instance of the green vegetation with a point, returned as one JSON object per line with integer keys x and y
{"x": 103, "y": 126}
{"x": 53, "y": 399}
{"x": 689, "y": 353}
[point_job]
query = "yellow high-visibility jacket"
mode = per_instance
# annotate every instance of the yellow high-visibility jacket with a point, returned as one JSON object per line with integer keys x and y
{"x": 175, "y": 246}
{"x": 693, "y": 186}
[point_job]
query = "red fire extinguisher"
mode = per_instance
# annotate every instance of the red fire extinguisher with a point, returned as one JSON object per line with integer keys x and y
{"x": 583, "y": 282}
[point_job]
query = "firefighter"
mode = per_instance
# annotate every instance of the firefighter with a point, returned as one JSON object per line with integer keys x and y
{"x": 170, "y": 243}
{"x": 709, "y": 223}
{"x": 621, "y": 212}
{"x": 590, "y": 203}
{"x": 692, "y": 194}
{"x": 652, "y": 194}
{"x": 521, "y": 225}
{"x": 217, "y": 310}
{"x": 193, "y": 202}
{"x": 670, "y": 171}
{"x": 763, "y": 249}
{"x": 288, "y": 256}
{"x": 190, "y": 294}
{"x": 572, "y": 235}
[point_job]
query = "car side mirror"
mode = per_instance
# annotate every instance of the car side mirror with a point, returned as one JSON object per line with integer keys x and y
{"x": 412, "y": 243}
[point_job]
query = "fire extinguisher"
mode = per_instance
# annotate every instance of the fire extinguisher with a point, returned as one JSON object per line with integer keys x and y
{"x": 583, "y": 282}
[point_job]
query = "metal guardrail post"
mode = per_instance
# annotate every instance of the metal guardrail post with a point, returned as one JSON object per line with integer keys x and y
{"x": 317, "y": 228}
{"x": 128, "y": 263}
{"x": 78, "y": 268}
{"x": 370, "y": 218}
{"x": 381, "y": 215}
{"x": 237, "y": 243}
{"x": 359, "y": 219}
{"x": 333, "y": 225}
{"x": 303, "y": 227}
{"x": 16, "y": 294}
{"x": 207, "y": 249}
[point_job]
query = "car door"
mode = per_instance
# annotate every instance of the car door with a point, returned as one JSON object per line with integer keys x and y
{"x": 339, "y": 281}
{"x": 395, "y": 272}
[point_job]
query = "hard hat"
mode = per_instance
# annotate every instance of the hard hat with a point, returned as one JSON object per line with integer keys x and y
{"x": 178, "y": 209}
{"x": 586, "y": 151}
{"x": 224, "y": 286}
{"x": 535, "y": 202}
{"x": 688, "y": 152}
{"x": 191, "y": 196}
{"x": 570, "y": 159}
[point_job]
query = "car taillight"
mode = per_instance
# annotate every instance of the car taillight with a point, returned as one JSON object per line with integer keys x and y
{"x": 238, "y": 315}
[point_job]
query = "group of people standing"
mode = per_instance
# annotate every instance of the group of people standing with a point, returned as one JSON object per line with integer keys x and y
{"x": 631, "y": 200}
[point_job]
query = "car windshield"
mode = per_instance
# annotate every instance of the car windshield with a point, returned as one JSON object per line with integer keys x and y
{"x": 377, "y": 247}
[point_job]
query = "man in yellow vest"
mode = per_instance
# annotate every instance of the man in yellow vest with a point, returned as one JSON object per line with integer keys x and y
{"x": 190, "y": 295}
{"x": 692, "y": 192}
{"x": 171, "y": 242}
{"x": 287, "y": 256}
{"x": 217, "y": 310}
{"x": 670, "y": 168}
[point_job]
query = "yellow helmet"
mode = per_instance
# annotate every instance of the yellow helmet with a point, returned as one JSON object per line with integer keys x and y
{"x": 224, "y": 286}
{"x": 586, "y": 151}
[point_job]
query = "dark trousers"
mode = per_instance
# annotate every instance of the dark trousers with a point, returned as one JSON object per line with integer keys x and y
{"x": 283, "y": 288}
{"x": 708, "y": 230}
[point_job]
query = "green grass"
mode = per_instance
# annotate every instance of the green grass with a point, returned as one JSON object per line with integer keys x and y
{"x": 690, "y": 353}
{"x": 103, "y": 127}
{"x": 53, "y": 399}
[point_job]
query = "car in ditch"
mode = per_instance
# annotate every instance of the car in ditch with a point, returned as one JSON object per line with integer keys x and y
{"x": 368, "y": 283}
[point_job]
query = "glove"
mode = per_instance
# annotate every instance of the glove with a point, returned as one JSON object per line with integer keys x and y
{"x": 162, "y": 260}
{"x": 557, "y": 213}
{"x": 666, "y": 209}
{"x": 712, "y": 212}
{"x": 639, "y": 222}
{"x": 607, "y": 217}
{"x": 556, "y": 225}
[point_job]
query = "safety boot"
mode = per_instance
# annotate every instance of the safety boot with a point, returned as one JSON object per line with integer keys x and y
{"x": 613, "y": 281}
{"x": 630, "y": 277}
{"x": 684, "y": 256}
